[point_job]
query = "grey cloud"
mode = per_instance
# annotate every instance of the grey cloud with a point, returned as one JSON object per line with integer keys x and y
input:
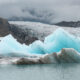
{"x": 49, "y": 11}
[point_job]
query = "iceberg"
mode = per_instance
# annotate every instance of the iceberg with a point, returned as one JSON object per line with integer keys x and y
{"x": 55, "y": 42}
{"x": 61, "y": 39}
{"x": 9, "y": 45}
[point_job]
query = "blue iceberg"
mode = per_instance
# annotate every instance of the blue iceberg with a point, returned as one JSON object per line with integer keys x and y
{"x": 61, "y": 39}
{"x": 9, "y": 45}
{"x": 52, "y": 43}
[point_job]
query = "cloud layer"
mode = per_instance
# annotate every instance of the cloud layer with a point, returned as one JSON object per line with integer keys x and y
{"x": 49, "y": 11}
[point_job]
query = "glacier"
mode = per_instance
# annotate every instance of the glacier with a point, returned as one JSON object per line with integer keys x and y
{"x": 55, "y": 42}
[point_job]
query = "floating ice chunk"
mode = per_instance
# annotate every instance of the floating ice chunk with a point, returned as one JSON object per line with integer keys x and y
{"x": 69, "y": 55}
{"x": 9, "y": 45}
{"x": 61, "y": 39}
{"x": 66, "y": 55}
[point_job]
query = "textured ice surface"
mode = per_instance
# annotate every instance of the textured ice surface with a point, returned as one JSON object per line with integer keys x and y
{"x": 53, "y": 43}
{"x": 9, "y": 45}
{"x": 36, "y": 47}
{"x": 61, "y": 39}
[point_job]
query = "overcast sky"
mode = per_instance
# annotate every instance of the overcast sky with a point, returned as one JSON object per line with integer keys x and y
{"x": 45, "y": 10}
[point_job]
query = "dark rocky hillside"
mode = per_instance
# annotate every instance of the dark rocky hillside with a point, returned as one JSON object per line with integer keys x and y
{"x": 4, "y": 27}
{"x": 69, "y": 24}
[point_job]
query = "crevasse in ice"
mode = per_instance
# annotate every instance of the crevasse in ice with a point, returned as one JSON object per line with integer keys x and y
{"x": 52, "y": 43}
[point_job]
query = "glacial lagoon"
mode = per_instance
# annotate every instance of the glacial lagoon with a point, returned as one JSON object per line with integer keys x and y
{"x": 40, "y": 72}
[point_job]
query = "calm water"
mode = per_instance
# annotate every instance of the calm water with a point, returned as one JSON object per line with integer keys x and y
{"x": 40, "y": 72}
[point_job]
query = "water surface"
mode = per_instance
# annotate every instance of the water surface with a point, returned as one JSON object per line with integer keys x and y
{"x": 40, "y": 72}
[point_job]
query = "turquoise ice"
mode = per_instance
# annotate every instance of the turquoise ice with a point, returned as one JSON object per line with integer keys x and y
{"x": 9, "y": 45}
{"x": 52, "y": 43}
{"x": 61, "y": 39}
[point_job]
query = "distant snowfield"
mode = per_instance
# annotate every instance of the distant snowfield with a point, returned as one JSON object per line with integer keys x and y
{"x": 46, "y": 29}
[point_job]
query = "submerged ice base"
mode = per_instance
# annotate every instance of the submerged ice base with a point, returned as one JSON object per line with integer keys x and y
{"x": 9, "y": 46}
